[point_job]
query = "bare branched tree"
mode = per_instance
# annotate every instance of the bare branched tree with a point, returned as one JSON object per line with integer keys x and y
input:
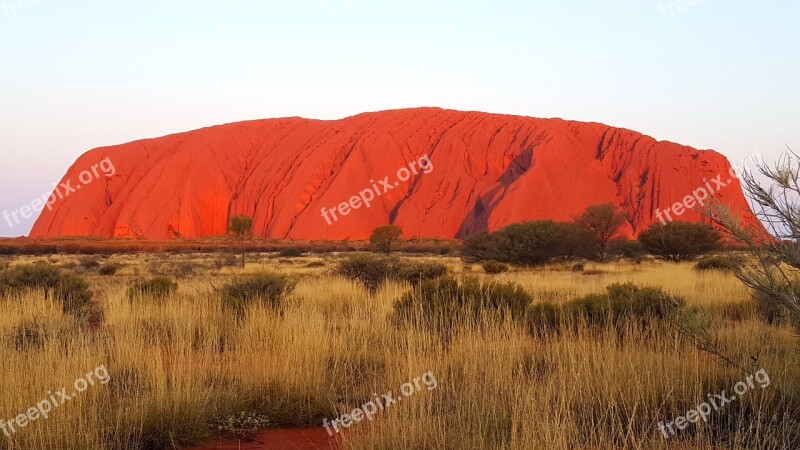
{"x": 771, "y": 274}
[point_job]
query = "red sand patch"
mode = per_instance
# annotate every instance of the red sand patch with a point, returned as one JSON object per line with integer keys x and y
{"x": 279, "y": 439}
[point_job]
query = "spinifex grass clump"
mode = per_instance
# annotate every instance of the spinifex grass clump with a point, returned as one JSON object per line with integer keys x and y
{"x": 442, "y": 301}
{"x": 621, "y": 301}
{"x": 109, "y": 269}
{"x": 30, "y": 335}
{"x": 494, "y": 267}
{"x": 89, "y": 264}
{"x": 269, "y": 289}
{"x": 416, "y": 273}
{"x": 157, "y": 288}
{"x": 723, "y": 263}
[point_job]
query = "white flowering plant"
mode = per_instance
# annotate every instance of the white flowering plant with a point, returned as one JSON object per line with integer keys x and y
{"x": 245, "y": 425}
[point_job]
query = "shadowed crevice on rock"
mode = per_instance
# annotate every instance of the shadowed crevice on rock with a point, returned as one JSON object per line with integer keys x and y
{"x": 477, "y": 219}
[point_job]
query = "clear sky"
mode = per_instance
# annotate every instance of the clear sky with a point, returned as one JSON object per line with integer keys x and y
{"x": 79, "y": 74}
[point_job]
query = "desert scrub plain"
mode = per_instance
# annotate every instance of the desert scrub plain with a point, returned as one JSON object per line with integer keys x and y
{"x": 182, "y": 362}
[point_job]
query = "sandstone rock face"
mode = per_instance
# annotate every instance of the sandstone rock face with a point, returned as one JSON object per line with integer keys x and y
{"x": 485, "y": 171}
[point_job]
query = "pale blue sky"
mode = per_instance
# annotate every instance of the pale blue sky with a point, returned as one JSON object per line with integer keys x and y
{"x": 81, "y": 74}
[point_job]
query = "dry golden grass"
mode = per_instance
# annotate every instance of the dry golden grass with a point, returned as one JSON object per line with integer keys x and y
{"x": 177, "y": 364}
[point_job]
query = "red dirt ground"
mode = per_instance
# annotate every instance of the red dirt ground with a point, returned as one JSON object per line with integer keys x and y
{"x": 279, "y": 439}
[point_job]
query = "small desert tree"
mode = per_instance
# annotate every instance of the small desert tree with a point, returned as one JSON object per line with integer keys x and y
{"x": 603, "y": 223}
{"x": 241, "y": 227}
{"x": 680, "y": 241}
{"x": 771, "y": 275}
{"x": 383, "y": 238}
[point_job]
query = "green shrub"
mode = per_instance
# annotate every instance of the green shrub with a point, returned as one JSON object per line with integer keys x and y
{"x": 623, "y": 248}
{"x": 680, "y": 241}
{"x": 89, "y": 263}
{"x": 30, "y": 276}
{"x": 545, "y": 316}
{"x": 695, "y": 320}
{"x": 624, "y": 300}
{"x": 267, "y": 288}
{"x": 441, "y": 302}
{"x": 444, "y": 250}
{"x": 494, "y": 267}
{"x": 621, "y": 301}
{"x": 291, "y": 252}
{"x": 527, "y": 243}
{"x": 369, "y": 270}
{"x": 480, "y": 246}
{"x": 722, "y": 263}
{"x": 416, "y": 273}
{"x": 156, "y": 288}
{"x": 109, "y": 269}
{"x": 71, "y": 291}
